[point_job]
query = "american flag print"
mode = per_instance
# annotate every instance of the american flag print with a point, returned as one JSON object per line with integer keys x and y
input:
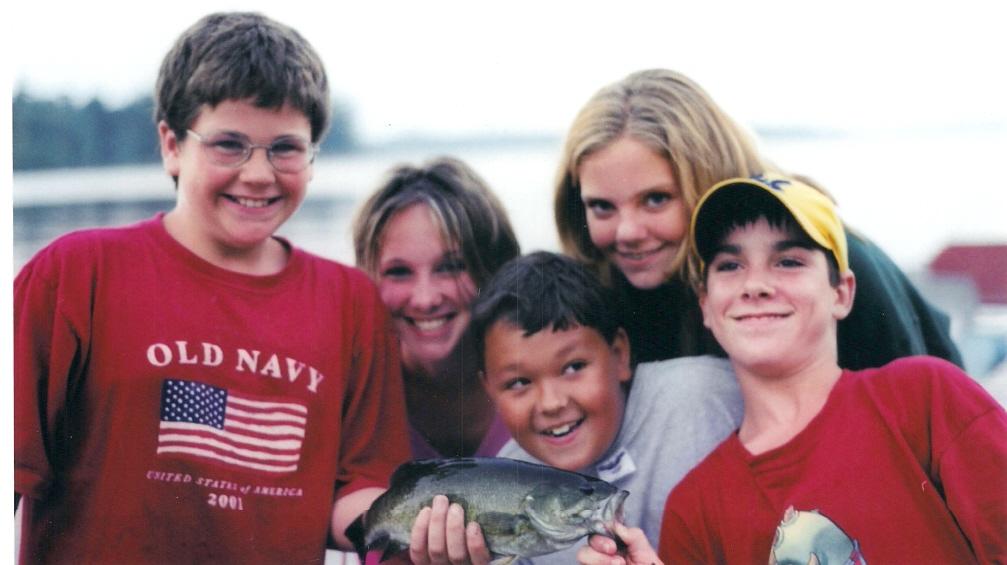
{"x": 208, "y": 422}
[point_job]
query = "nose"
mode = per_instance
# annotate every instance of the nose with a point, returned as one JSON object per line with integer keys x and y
{"x": 552, "y": 397}
{"x": 630, "y": 229}
{"x": 258, "y": 169}
{"x": 757, "y": 284}
{"x": 426, "y": 295}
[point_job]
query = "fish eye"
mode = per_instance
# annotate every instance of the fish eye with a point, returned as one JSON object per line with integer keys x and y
{"x": 586, "y": 489}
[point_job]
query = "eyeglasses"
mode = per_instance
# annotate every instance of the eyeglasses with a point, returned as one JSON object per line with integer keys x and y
{"x": 287, "y": 154}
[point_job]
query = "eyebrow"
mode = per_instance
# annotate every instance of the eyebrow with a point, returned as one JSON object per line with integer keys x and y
{"x": 666, "y": 187}
{"x": 785, "y": 245}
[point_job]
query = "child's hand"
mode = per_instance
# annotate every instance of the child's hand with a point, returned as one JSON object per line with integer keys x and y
{"x": 439, "y": 537}
{"x": 602, "y": 550}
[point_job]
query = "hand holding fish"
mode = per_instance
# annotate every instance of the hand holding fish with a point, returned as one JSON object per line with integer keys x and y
{"x": 517, "y": 510}
{"x": 602, "y": 550}
{"x": 440, "y": 536}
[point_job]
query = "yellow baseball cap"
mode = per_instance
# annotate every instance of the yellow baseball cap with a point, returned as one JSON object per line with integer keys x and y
{"x": 813, "y": 211}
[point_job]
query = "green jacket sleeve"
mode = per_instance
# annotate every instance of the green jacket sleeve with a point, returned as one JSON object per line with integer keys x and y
{"x": 890, "y": 319}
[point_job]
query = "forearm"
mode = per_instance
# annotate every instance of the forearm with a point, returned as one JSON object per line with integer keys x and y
{"x": 346, "y": 509}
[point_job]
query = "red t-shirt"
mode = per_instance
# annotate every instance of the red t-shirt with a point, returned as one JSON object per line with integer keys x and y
{"x": 904, "y": 464}
{"x": 167, "y": 410}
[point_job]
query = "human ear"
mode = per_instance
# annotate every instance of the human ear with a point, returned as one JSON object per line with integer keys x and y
{"x": 702, "y": 306}
{"x": 846, "y": 290}
{"x": 621, "y": 352}
{"x": 484, "y": 380}
{"x": 170, "y": 149}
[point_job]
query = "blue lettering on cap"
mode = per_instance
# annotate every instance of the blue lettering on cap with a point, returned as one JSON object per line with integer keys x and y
{"x": 777, "y": 184}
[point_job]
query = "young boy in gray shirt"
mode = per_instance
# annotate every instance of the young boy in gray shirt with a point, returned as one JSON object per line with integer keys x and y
{"x": 557, "y": 365}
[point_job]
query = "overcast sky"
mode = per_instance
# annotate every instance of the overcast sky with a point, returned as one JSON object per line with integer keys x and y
{"x": 527, "y": 66}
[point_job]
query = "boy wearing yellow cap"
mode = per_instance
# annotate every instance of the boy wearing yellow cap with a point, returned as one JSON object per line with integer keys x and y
{"x": 905, "y": 463}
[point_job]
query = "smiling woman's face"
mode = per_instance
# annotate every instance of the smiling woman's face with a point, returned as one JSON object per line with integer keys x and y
{"x": 425, "y": 285}
{"x": 635, "y": 212}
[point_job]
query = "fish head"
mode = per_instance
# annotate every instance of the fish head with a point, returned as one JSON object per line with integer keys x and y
{"x": 568, "y": 511}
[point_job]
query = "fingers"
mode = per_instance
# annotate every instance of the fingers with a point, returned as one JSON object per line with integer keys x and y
{"x": 599, "y": 550}
{"x": 436, "y": 534}
{"x": 638, "y": 548}
{"x": 418, "y": 538}
{"x": 439, "y": 536}
{"x": 454, "y": 538}
{"x": 479, "y": 553}
{"x": 603, "y": 544}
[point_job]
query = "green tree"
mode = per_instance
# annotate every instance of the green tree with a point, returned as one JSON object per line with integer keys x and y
{"x": 49, "y": 133}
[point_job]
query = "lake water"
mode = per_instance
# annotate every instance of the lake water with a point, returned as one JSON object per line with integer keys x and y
{"x": 913, "y": 194}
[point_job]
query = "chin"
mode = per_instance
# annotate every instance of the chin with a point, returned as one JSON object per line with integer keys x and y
{"x": 646, "y": 281}
{"x": 567, "y": 462}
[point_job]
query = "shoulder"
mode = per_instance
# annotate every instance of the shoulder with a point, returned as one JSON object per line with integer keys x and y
{"x": 81, "y": 250}
{"x": 705, "y": 477}
{"x": 331, "y": 268}
{"x": 695, "y": 399}
{"x": 339, "y": 276}
{"x": 922, "y": 382}
{"x": 686, "y": 375}
{"x": 917, "y": 372}
{"x": 128, "y": 235}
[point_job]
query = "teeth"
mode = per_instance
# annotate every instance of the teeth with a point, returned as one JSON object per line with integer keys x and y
{"x": 560, "y": 431}
{"x": 637, "y": 256}
{"x": 427, "y": 325}
{"x": 253, "y": 202}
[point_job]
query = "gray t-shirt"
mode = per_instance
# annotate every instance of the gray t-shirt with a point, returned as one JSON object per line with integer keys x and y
{"x": 676, "y": 413}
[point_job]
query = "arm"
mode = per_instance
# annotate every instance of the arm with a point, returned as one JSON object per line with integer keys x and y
{"x": 51, "y": 314}
{"x": 347, "y": 508}
{"x": 373, "y": 438}
{"x": 969, "y": 460}
{"x": 890, "y": 319}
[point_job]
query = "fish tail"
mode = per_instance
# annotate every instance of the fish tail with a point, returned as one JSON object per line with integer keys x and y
{"x": 357, "y": 533}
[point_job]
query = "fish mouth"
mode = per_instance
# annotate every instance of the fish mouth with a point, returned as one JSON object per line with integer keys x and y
{"x": 612, "y": 512}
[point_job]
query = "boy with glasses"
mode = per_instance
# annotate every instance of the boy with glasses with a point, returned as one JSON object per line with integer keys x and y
{"x": 193, "y": 388}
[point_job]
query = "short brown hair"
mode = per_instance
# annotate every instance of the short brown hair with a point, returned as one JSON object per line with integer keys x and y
{"x": 241, "y": 56}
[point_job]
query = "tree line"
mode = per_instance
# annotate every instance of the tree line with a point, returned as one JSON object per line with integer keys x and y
{"x": 55, "y": 132}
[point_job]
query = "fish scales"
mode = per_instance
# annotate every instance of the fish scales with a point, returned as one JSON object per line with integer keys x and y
{"x": 523, "y": 509}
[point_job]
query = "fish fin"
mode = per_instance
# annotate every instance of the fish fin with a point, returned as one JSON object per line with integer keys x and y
{"x": 505, "y": 560}
{"x": 391, "y": 549}
{"x": 356, "y": 533}
{"x": 502, "y": 523}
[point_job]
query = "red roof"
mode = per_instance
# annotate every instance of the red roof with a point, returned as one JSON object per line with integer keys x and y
{"x": 986, "y": 265}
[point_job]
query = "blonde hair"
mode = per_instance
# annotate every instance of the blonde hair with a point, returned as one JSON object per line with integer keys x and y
{"x": 670, "y": 113}
{"x": 469, "y": 216}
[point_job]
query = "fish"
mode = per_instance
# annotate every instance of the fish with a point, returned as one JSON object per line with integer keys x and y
{"x": 524, "y": 509}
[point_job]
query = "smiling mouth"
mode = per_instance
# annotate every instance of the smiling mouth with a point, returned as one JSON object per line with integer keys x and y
{"x": 756, "y": 317}
{"x": 429, "y": 324}
{"x": 640, "y": 255}
{"x": 252, "y": 202}
{"x": 563, "y": 430}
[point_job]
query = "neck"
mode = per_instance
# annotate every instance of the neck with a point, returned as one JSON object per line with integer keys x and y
{"x": 447, "y": 404}
{"x": 779, "y": 406}
{"x": 266, "y": 258}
